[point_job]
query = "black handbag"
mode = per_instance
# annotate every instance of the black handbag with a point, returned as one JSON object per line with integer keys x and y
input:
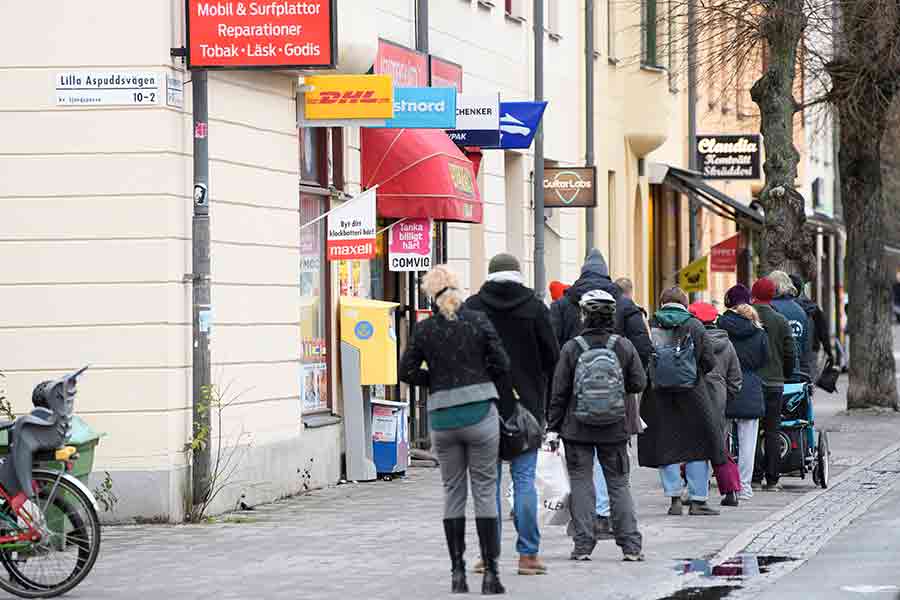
{"x": 829, "y": 377}
{"x": 519, "y": 433}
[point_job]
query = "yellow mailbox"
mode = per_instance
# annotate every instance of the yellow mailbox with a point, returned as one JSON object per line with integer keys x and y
{"x": 368, "y": 326}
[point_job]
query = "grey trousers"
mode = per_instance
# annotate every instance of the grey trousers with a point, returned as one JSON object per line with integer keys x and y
{"x": 616, "y": 468}
{"x": 469, "y": 451}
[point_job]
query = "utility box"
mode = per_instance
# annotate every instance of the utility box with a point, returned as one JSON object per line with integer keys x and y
{"x": 368, "y": 357}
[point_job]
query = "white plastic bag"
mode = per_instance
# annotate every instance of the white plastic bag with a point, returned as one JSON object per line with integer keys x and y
{"x": 552, "y": 483}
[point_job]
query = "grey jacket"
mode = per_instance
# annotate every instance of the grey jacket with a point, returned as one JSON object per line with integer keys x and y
{"x": 726, "y": 379}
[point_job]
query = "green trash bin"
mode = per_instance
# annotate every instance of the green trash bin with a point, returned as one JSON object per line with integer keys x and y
{"x": 82, "y": 437}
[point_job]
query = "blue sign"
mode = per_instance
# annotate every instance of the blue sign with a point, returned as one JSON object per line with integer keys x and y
{"x": 518, "y": 123}
{"x": 485, "y": 138}
{"x": 423, "y": 108}
{"x": 364, "y": 330}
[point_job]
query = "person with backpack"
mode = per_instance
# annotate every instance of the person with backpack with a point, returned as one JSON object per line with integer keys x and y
{"x": 745, "y": 330}
{"x": 819, "y": 336}
{"x": 682, "y": 422}
{"x": 523, "y": 323}
{"x": 780, "y": 365}
{"x": 723, "y": 382}
{"x": 587, "y": 408}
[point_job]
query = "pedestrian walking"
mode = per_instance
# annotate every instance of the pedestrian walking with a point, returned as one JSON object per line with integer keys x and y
{"x": 819, "y": 334}
{"x": 587, "y": 409}
{"x": 458, "y": 356}
{"x": 522, "y": 322}
{"x": 722, "y": 383}
{"x": 744, "y": 409}
{"x": 566, "y": 317}
{"x": 780, "y": 365}
{"x": 627, "y": 286}
{"x": 784, "y": 302}
{"x": 682, "y": 426}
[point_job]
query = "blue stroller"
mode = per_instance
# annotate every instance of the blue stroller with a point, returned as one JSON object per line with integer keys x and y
{"x": 802, "y": 448}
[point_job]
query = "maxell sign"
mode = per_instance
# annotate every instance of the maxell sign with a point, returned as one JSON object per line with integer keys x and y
{"x": 729, "y": 156}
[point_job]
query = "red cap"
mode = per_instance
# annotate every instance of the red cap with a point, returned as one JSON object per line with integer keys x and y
{"x": 763, "y": 291}
{"x": 557, "y": 289}
{"x": 704, "y": 311}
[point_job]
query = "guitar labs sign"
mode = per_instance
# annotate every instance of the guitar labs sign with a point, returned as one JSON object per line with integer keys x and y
{"x": 729, "y": 156}
{"x": 566, "y": 187}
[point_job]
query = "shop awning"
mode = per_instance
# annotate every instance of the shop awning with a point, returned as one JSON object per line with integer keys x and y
{"x": 419, "y": 173}
{"x": 723, "y": 205}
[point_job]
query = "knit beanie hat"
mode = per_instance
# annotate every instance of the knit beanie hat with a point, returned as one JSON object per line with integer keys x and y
{"x": 704, "y": 311}
{"x": 557, "y": 289}
{"x": 737, "y": 295}
{"x": 764, "y": 290}
{"x": 504, "y": 262}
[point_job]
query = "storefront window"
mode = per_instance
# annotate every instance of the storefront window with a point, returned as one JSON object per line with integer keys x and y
{"x": 313, "y": 306}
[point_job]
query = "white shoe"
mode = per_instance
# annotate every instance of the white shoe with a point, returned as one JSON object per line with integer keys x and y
{"x": 745, "y": 495}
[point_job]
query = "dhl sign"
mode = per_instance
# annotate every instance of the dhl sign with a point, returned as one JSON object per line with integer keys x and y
{"x": 349, "y": 97}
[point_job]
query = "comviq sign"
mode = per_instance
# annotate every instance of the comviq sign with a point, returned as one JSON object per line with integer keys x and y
{"x": 261, "y": 34}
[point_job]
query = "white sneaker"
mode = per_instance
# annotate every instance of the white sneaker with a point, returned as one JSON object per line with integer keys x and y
{"x": 745, "y": 494}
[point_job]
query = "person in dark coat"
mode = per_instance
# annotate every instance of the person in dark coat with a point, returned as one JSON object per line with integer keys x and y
{"x": 682, "y": 426}
{"x": 745, "y": 409}
{"x": 464, "y": 367}
{"x": 781, "y": 364}
{"x": 785, "y": 303}
{"x": 819, "y": 334}
{"x": 586, "y": 443}
{"x": 523, "y": 323}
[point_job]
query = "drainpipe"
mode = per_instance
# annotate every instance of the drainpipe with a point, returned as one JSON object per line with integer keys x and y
{"x": 692, "y": 130}
{"x": 589, "y": 110}
{"x": 417, "y": 417}
{"x": 540, "y": 275}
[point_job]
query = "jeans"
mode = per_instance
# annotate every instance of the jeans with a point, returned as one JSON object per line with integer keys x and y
{"x": 525, "y": 501}
{"x": 771, "y": 424}
{"x": 747, "y": 434}
{"x": 616, "y": 468}
{"x": 697, "y": 477}
{"x": 602, "y": 503}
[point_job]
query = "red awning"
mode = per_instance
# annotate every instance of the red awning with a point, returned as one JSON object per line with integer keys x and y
{"x": 419, "y": 173}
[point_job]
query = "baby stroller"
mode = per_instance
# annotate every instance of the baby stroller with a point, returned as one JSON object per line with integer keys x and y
{"x": 802, "y": 449}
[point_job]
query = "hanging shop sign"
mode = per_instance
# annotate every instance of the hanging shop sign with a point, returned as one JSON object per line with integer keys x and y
{"x": 279, "y": 34}
{"x": 349, "y": 97}
{"x": 445, "y": 73}
{"x": 518, "y": 123}
{"x": 566, "y": 187}
{"x": 477, "y": 120}
{"x": 410, "y": 245}
{"x": 407, "y": 67}
{"x": 108, "y": 88}
{"x": 695, "y": 276}
{"x": 723, "y": 256}
{"x": 423, "y": 108}
{"x": 729, "y": 156}
{"x": 351, "y": 229}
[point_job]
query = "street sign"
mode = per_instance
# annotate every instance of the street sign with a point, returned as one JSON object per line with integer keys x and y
{"x": 106, "y": 88}
{"x": 477, "y": 120}
{"x": 518, "y": 123}
{"x": 566, "y": 187}
{"x": 349, "y": 97}
{"x": 423, "y": 108}
{"x": 234, "y": 34}
{"x": 410, "y": 245}
{"x": 729, "y": 156}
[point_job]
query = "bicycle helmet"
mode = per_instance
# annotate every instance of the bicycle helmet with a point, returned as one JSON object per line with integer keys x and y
{"x": 598, "y": 301}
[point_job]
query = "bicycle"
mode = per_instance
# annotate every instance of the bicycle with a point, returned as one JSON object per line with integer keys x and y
{"x": 49, "y": 524}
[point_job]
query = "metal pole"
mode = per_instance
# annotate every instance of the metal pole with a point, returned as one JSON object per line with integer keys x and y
{"x": 422, "y": 26}
{"x": 202, "y": 301}
{"x": 418, "y": 421}
{"x": 589, "y": 110}
{"x": 693, "y": 248}
{"x": 540, "y": 274}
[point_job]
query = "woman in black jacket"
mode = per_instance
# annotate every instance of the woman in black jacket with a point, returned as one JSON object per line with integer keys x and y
{"x": 464, "y": 366}
{"x": 745, "y": 330}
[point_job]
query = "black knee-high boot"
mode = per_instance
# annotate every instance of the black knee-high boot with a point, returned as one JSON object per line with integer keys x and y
{"x": 489, "y": 540}
{"x": 455, "y": 531}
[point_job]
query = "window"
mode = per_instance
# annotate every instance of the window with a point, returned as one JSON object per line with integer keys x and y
{"x": 817, "y": 193}
{"x": 551, "y": 19}
{"x": 649, "y": 33}
{"x": 611, "y": 31}
{"x": 313, "y": 306}
{"x": 313, "y": 158}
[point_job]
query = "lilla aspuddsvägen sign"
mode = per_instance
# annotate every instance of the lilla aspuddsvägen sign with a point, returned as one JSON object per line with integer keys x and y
{"x": 566, "y": 187}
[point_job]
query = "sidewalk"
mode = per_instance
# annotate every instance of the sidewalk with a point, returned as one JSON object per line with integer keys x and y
{"x": 385, "y": 540}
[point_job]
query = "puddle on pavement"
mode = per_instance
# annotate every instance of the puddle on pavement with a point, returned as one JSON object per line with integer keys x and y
{"x": 736, "y": 568}
{"x": 717, "y": 592}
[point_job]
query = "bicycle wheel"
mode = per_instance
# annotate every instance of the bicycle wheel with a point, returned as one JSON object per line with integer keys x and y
{"x": 69, "y": 544}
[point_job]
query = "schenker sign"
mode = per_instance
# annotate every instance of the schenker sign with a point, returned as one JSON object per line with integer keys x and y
{"x": 729, "y": 156}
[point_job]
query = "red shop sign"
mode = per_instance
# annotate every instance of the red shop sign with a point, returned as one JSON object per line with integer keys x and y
{"x": 407, "y": 67}
{"x": 446, "y": 74}
{"x": 723, "y": 256}
{"x": 280, "y": 34}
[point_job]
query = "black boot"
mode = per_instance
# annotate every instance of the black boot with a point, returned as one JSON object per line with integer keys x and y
{"x": 488, "y": 538}
{"x": 455, "y": 531}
